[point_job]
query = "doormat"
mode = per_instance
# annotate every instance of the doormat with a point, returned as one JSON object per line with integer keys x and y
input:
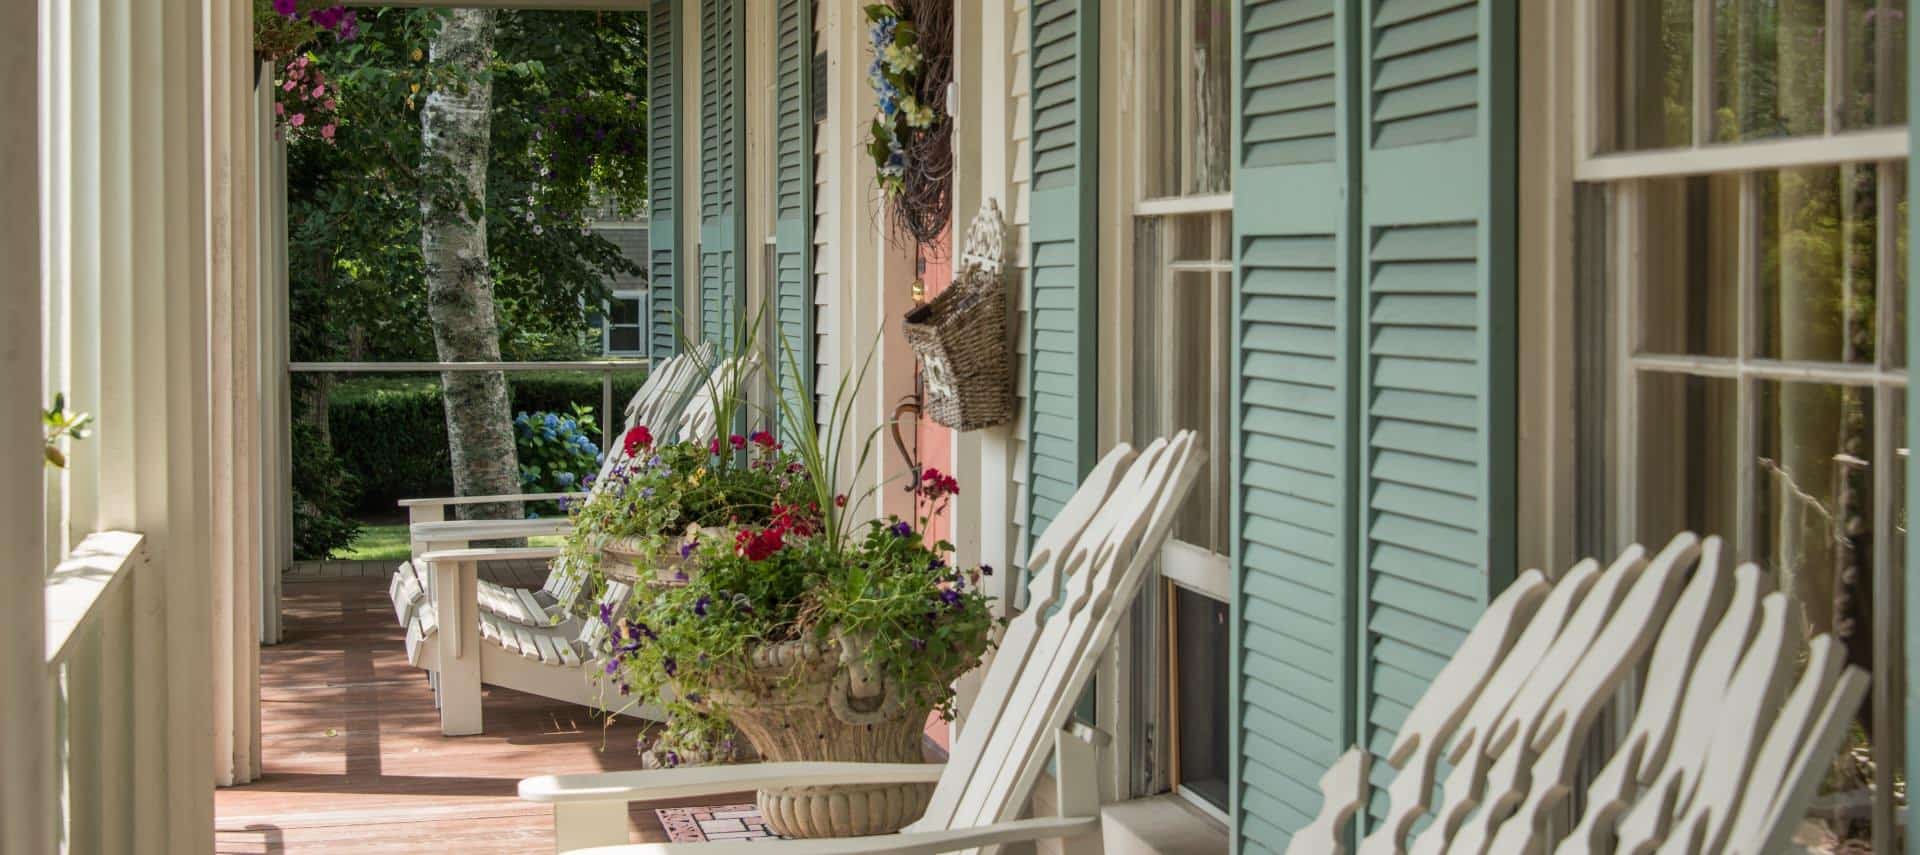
{"x": 720, "y": 822}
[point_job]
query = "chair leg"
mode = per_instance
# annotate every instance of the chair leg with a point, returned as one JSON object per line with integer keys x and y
{"x": 1077, "y": 779}
{"x": 581, "y": 825}
{"x": 457, "y": 601}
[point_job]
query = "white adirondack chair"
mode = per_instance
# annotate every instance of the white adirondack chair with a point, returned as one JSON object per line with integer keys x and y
{"x": 1714, "y": 760}
{"x": 464, "y": 647}
{"x": 660, "y": 400}
{"x": 1100, "y": 545}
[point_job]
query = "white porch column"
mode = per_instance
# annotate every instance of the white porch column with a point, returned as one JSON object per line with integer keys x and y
{"x": 27, "y": 802}
{"x": 233, "y": 324}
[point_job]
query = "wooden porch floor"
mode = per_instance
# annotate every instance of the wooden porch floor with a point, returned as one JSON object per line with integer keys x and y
{"x": 352, "y": 752}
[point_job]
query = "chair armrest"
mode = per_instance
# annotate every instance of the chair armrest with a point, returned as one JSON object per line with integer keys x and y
{"x": 483, "y": 500}
{"x": 499, "y": 554}
{"x": 654, "y": 784}
{"x": 904, "y": 843}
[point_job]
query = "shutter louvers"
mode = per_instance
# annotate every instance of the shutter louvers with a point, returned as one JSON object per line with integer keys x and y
{"x": 1439, "y": 307}
{"x": 664, "y": 185}
{"x": 722, "y": 169}
{"x": 1062, "y": 295}
{"x": 793, "y": 202}
{"x": 1296, "y": 402}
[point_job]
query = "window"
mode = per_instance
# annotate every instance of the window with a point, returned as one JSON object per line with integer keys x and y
{"x": 1755, "y": 309}
{"x": 1182, "y": 308}
{"x": 625, "y": 335}
{"x": 1182, "y": 363}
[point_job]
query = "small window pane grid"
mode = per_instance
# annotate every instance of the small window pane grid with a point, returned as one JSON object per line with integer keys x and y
{"x": 1762, "y": 398}
{"x": 1186, "y": 124}
{"x": 624, "y": 328}
{"x": 1182, "y": 380}
{"x": 1688, "y": 73}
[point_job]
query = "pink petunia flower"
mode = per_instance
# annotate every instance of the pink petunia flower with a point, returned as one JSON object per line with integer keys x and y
{"x": 326, "y": 130}
{"x": 298, "y": 119}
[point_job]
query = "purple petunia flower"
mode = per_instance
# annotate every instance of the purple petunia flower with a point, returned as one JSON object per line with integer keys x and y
{"x": 613, "y": 667}
{"x": 700, "y": 606}
{"x": 670, "y": 666}
{"x": 902, "y": 529}
{"x": 285, "y": 7}
{"x": 986, "y": 570}
{"x": 606, "y": 614}
{"x": 951, "y": 597}
{"x": 686, "y": 549}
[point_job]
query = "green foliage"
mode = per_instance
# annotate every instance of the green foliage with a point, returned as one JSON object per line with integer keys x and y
{"x": 323, "y": 495}
{"x": 392, "y": 431}
{"x": 564, "y": 141}
{"x": 60, "y": 424}
{"x": 916, "y": 623}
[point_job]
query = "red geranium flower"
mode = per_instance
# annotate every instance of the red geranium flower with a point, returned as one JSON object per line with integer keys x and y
{"x": 638, "y": 437}
{"x": 762, "y": 438}
{"x": 737, "y": 441}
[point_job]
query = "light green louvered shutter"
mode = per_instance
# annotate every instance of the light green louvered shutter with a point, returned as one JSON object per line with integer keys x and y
{"x": 1062, "y": 289}
{"x": 1437, "y": 417}
{"x": 723, "y": 168}
{"x": 793, "y": 200}
{"x": 665, "y": 186}
{"x": 1296, "y": 398}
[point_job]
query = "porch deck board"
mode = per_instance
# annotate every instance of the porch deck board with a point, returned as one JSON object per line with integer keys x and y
{"x": 352, "y": 752}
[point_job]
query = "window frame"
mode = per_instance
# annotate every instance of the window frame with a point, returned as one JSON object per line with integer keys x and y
{"x": 637, "y": 295}
{"x": 1624, "y": 178}
{"x": 1142, "y": 703}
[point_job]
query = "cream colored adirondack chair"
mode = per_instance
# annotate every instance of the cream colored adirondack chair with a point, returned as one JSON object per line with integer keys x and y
{"x": 1100, "y": 545}
{"x": 464, "y": 647}
{"x": 1720, "y": 757}
{"x": 660, "y": 401}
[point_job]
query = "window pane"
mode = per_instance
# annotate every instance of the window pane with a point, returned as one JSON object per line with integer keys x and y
{"x": 1210, "y": 76}
{"x": 1896, "y": 198}
{"x": 1688, "y": 463}
{"x": 1689, "y": 251}
{"x": 1200, "y": 651}
{"x": 1817, "y": 263}
{"x": 624, "y": 311}
{"x": 623, "y": 339}
{"x": 1655, "y": 74}
{"x": 1876, "y": 64}
{"x": 1190, "y": 319}
{"x": 1769, "y": 68}
{"x": 1817, "y": 519}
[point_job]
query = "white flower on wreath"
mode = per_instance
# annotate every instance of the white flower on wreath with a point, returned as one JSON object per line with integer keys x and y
{"x": 918, "y": 115}
{"x": 903, "y": 59}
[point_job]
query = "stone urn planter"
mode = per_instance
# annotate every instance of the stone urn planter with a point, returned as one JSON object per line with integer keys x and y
{"x": 629, "y": 560}
{"x": 811, "y": 701}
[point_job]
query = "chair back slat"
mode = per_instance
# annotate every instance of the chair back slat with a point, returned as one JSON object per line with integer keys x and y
{"x": 1647, "y": 821}
{"x": 1137, "y": 520}
{"x": 1016, "y": 643}
{"x": 1429, "y": 726}
{"x": 1698, "y": 611}
{"x": 1465, "y": 785}
{"x": 1722, "y": 755}
{"x": 1554, "y": 750}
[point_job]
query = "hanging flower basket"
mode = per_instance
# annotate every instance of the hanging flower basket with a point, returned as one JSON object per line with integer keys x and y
{"x": 961, "y": 335}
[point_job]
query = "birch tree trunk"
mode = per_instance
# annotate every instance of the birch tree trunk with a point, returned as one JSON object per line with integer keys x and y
{"x": 454, "y": 125}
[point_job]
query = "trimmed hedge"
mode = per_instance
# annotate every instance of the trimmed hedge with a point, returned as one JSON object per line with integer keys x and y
{"x": 391, "y": 432}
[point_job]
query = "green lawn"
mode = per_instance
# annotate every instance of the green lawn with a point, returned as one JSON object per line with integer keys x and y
{"x": 389, "y": 543}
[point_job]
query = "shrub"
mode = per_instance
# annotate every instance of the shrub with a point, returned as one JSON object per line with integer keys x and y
{"x": 557, "y": 452}
{"x": 392, "y": 431}
{"x": 323, "y": 497}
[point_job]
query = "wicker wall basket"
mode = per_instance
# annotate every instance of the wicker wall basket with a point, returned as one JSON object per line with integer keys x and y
{"x": 961, "y": 335}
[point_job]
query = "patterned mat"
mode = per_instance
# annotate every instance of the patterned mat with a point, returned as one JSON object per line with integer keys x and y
{"x": 719, "y": 822}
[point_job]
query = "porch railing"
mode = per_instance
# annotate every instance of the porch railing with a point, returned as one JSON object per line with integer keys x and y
{"x": 109, "y": 690}
{"x": 606, "y": 368}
